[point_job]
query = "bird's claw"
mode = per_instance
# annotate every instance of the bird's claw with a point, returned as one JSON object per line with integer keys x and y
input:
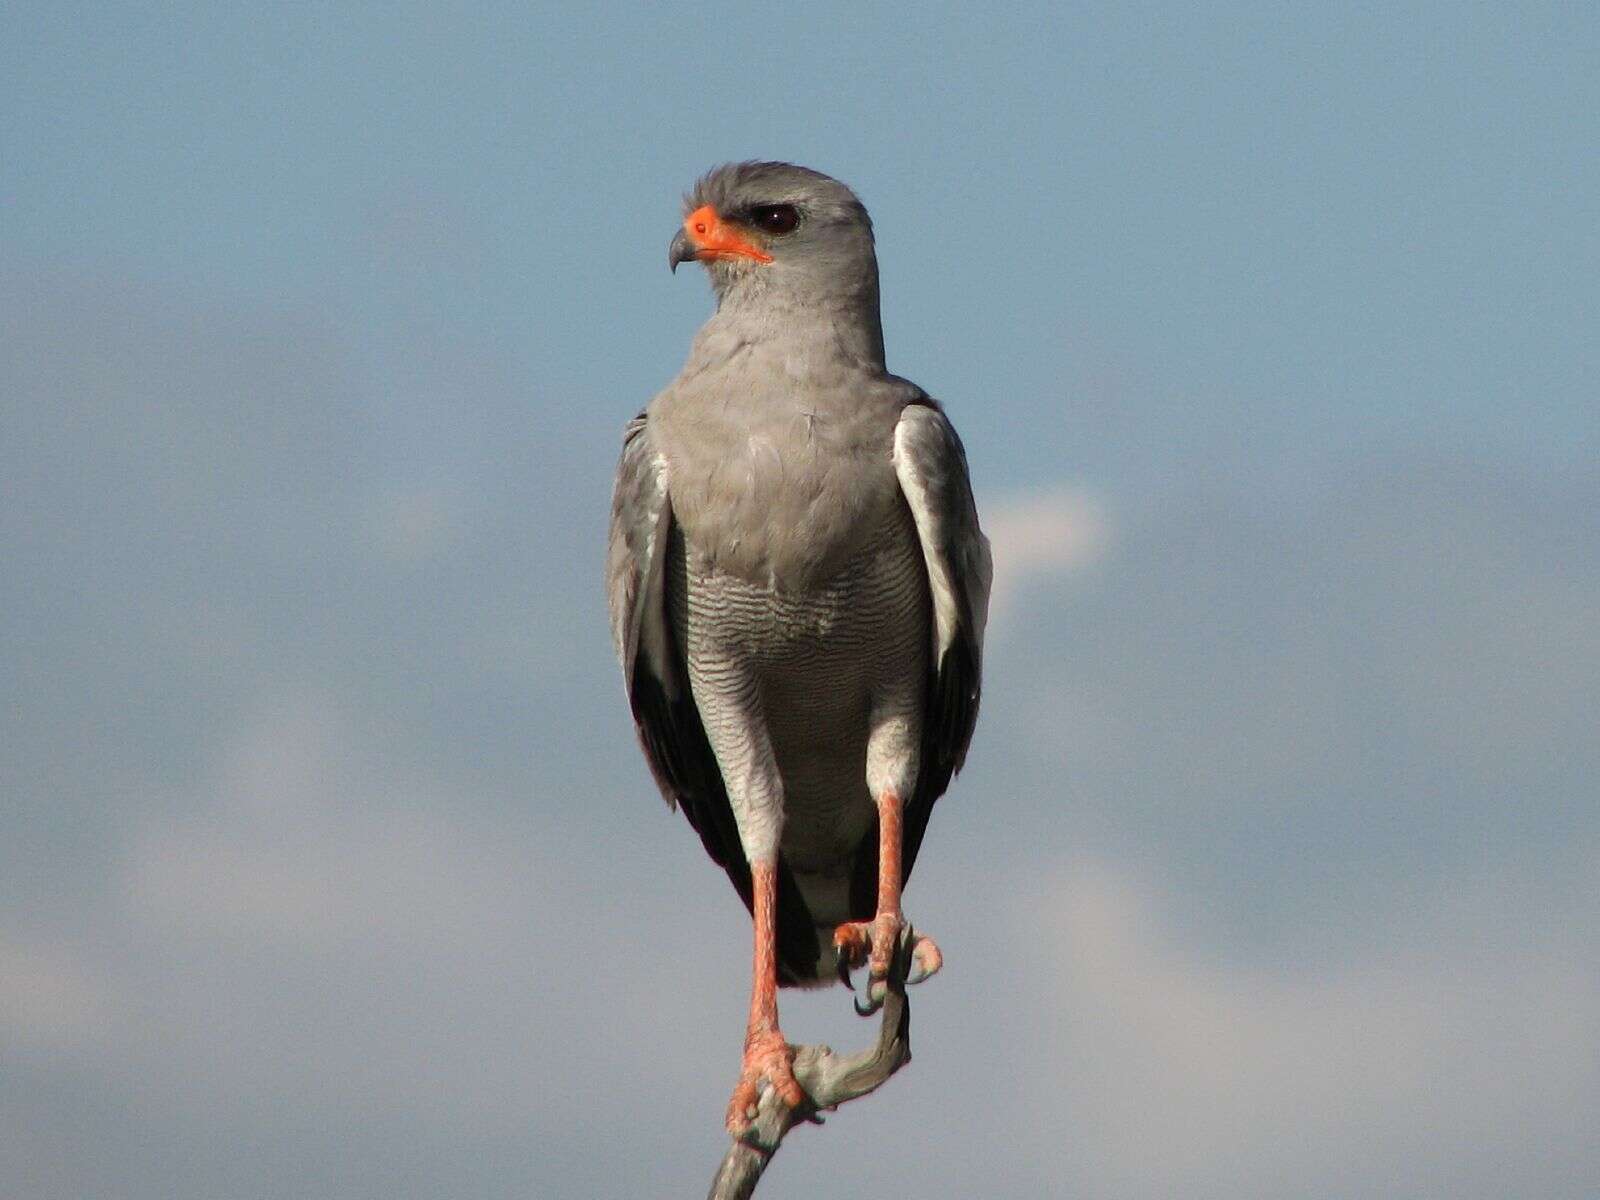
{"x": 768, "y": 1063}
{"x": 877, "y": 993}
{"x": 887, "y": 945}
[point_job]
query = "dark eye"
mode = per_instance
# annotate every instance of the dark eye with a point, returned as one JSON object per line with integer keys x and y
{"x": 775, "y": 218}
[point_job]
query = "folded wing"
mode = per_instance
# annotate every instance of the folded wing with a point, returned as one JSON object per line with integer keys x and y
{"x": 653, "y": 669}
{"x": 932, "y": 468}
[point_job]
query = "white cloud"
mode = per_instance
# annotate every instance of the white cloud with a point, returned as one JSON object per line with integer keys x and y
{"x": 299, "y": 839}
{"x": 1454, "y": 1054}
{"x": 1040, "y": 534}
{"x": 312, "y": 930}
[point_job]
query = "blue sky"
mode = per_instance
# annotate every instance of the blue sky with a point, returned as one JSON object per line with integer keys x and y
{"x": 328, "y": 865}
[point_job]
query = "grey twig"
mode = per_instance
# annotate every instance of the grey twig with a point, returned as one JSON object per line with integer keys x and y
{"x": 828, "y": 1080}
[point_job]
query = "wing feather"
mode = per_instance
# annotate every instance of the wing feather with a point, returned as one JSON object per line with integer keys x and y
{"x": 931, "y": 465}
{"x": 653, "y": 670}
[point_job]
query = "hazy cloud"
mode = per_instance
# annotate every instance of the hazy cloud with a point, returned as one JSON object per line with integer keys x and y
{"x": 1038, "y": 535}
{"x": 1451, "y": 1053}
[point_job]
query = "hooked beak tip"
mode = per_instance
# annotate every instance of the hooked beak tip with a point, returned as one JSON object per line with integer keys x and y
{"x": 682, "y": 250}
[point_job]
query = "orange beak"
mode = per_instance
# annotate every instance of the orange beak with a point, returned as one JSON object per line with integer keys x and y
{"x": 707, "y": 236}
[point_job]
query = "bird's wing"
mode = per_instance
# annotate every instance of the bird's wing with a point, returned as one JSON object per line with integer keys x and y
{"x": 932, "y": 468}
{"x": 653, "y": 668}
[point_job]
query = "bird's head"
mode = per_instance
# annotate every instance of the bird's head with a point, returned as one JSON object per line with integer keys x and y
{"x": 772, "y": 228}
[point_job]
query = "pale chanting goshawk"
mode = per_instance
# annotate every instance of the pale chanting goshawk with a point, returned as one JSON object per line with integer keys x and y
{"x": 798, "y": 589}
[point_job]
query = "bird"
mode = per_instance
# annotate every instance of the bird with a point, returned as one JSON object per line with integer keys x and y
{"x": 798, "y": 586}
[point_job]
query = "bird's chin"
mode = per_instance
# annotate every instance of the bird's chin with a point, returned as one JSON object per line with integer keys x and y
{"x": 728, "y": 266}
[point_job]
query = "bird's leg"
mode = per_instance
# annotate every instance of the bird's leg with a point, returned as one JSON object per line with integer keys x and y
{"x": 767, "y": 1056}
{"x": 873, "y": 942}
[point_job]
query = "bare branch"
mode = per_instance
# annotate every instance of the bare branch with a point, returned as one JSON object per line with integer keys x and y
{"x": 828, "y": 1080}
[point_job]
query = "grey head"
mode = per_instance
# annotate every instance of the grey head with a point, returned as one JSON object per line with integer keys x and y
{"x": 781, "y": 235}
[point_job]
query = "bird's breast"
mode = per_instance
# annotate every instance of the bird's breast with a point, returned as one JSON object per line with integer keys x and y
{"x": 842, "y": 637}
{"x": 782, "y": 498}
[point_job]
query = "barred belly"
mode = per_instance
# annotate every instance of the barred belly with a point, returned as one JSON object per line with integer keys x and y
{"x": 815, "y": 671}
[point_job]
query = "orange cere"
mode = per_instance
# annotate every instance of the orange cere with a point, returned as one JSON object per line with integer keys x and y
{"x": 715, "y": 238}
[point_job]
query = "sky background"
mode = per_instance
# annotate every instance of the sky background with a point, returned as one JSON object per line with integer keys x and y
{"x": 328, "y": 865}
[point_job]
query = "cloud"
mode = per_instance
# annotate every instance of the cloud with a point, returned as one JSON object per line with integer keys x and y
{"x": 1309, "y": 694}
{"x": 312, "y": 928}
{"x": 1452, "y": 1053}
{"x": 1037, "y": 535}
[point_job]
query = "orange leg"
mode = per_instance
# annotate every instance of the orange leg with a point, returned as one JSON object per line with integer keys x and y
{"x": 767, "y": 1055}
{"x": 873, "y": 942}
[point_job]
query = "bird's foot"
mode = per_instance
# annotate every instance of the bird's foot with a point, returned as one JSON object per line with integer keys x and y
{"x": 873, "y": 943}
{"x": 769, "y": 1060}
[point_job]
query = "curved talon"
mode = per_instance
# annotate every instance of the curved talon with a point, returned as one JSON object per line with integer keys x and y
{"x": 851, "y": 943}
{"x": 877, "y": 993}
{"x": 891, "y": 949}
